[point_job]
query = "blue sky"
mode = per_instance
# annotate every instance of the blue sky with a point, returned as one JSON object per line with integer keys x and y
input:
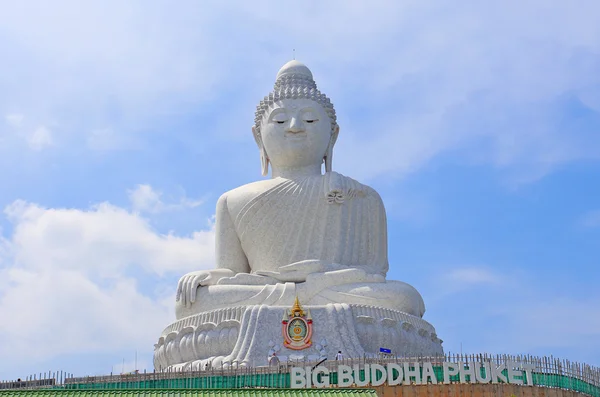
{"x": 121, "y": 123}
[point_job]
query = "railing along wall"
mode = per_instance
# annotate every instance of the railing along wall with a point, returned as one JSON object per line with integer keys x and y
{"x": 548, "y": 372}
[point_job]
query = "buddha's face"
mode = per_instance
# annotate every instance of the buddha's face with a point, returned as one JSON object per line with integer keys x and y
{"x": 296, "y": 133}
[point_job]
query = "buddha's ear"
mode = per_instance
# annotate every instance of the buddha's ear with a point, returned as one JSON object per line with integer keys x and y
{"x": 264, "y": 159}
{"x": 329, "y": 154}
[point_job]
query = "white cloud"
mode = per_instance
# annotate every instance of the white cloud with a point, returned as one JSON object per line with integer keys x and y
{"x": 103, "y": 240}
{"x": 497, "y": 85}
{"x": 461, "y": 279}
{"x": 145, "y": 199}
{"x": 14, "y": 120}
{"x": 40, "y": 138}
{"x": 512, "y": 85}
{"x": 472, "y": 276}
{"x": 98, "y": 59}
{"x": 36, "y": 139}
{"x": 66, "y": 280}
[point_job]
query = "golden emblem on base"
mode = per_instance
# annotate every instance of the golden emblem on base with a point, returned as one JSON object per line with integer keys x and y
{"x": 296, "y": 327}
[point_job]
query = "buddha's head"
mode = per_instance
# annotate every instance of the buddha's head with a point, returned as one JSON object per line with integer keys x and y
{"x": 295, "y": 125}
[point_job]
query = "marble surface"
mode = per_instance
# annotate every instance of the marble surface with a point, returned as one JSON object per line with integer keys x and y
{"x": 306, "y": 232}
{"x": 249, "y": 335}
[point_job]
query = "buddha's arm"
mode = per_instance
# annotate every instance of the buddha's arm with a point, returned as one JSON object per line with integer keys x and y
{"x": 231, "y": 259}
{"x": 378, "y": 248}
{"x": 229, "y": 252}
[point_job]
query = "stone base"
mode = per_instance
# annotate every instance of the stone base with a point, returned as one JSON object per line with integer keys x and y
{"x": 248, "y": 336}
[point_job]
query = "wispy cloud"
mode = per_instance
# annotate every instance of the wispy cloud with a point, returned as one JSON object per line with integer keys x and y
{"x": 145, "y": 199}
{"x": 513, "y": 313}
{"x": 510, "y": 86}
{"x": 36, "y": 138}
{"x": 472, "y": 276}
{"x": 457, "y": 279}
{"x": 73, "y": 268}
{"x": 40, "y": 138}
{"x": 456, "y": 283}
{"x": 590, "y": 219}
{"x": 14, "y": 120}
{"x": 406, "y": 92}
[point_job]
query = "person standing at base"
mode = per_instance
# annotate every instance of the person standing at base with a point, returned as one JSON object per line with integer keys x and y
{"x": 339, "y": 356}
{"x": 274, "y": 360}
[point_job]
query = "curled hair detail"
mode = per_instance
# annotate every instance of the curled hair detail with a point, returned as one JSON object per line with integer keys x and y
{"x": 293, "y": 86}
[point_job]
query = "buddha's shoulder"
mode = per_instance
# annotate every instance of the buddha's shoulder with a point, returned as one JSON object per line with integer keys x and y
{"x": 240, "y": 196}
{"x": 234, "y": 200}
{"x": 337, "y": 181}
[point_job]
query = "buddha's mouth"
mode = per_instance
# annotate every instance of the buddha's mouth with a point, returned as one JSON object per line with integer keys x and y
{"x": 295, "y": 135}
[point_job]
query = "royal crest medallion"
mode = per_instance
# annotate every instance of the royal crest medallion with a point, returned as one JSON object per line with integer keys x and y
{"x": 296, "y": 327}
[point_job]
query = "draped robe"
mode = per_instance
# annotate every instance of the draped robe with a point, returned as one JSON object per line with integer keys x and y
{"x": 331, "y": 219}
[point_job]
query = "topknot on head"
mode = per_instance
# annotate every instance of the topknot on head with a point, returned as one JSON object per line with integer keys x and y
{"x": 294, "y": 74}
{"x": 296, "y": 68}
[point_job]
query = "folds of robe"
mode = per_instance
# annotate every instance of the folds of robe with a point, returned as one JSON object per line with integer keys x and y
{"x": 331, "y": 219}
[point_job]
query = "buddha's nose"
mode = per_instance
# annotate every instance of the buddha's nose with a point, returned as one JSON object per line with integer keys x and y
{"x": 296, "y": 125}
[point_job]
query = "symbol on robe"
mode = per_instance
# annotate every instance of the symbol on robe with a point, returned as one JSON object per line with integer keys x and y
{"x": 296, "y": 327}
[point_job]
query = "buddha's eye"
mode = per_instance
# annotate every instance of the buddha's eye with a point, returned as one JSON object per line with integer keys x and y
{"x": 279, "y": 118}
{"x": 309, "y": 117}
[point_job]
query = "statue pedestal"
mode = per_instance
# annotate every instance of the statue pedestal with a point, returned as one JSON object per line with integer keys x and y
{"x": 249, "y": 335}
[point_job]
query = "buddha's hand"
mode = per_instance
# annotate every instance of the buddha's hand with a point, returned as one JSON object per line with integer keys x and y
{"x": 317, "y": 282}
{"x": 297, "y": 272}
{"x": 247, "y": 279}
{"x": 344, "y": 276}
{"x": 188, "y": 284}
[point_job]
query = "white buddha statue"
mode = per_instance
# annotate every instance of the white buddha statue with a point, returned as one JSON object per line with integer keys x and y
{"x": 301, "y": 233}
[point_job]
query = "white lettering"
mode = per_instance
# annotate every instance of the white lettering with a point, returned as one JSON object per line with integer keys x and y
{"x": 497, "y": 373}
{"x": 345, "y": 378}
{"x": 324, "y": 378}
{"x": 415, "y": 372}
{"x": 428, "y": 374}
{"x": 357, "y": 379}
{"x": 298, "y": 376}
{"x": 513, "y": 373}
{"x": 528, "y": 368}
{"x": 486, "y": 369}
{"x": 470, "y": 370}
{"x": 375, "y": 368}
{"x": 391, "y": 368}
{"x": 450, "y": 369}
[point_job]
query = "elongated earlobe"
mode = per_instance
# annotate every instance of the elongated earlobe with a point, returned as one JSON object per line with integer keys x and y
{"x": 329, "y": 153}
{"x": 328, "y": 159}
{"x": 264, "y": 159}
